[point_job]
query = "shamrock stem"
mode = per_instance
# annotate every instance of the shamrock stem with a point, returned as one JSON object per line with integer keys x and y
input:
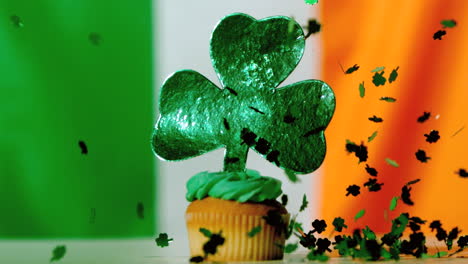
{"x": 235, "y": 157}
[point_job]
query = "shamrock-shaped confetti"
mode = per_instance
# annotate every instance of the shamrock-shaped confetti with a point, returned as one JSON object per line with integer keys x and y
{"x": 371, "y": 171}
{"x": 462, "y": 173}
{"x": 393, "y": 75}
{"x": 433, "y": 136}
{"x": 163, "y": 240}
{"x": 375, "y": 119}
{"x": 448, "y": 23}
{"x": 254, "y": 231}
{"x": 304, "y": 204}
{"x": 354, "y": 190}
{"x": 140, "y": 210}
{"x": 313, "y": 26}
{"x": 58, "y": 253}
{"x": 311, "y": 2}
{"x": 438, "y": 35}
{"x": 319, "y": 226}
{"x": 251, "y": 58}
{"x": 359, "y": 214}
{"x": 352, "y": 69}
{"x": 362, "y": 90}
{"x": 339, "y": 224}
{"x": 16, "y": 21}
{"x": 83, "y": 147}
{"x": 424, "y": 117}
{"x": 421, "y": 156}
{"x": 371, "y": 137}
{"x": 378, "y": 78}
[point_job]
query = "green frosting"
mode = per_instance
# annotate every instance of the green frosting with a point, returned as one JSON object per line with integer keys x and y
{"x": 239, "y": 186}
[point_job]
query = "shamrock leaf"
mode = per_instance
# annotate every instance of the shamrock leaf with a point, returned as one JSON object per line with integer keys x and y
{"x": 393, "y": 75}
{"x": 424, "y": 117}
{"x": 304, "y": 204}
{"x": 251, "y": 58}
{"x": 313, "y": 26}
{"x": 352, "y": 69}
{"x": 359, "y": 214}
{"x": 311, "y": 2}
{"x": 448, "y": 23}
{"x": 163, "y": 240}
{"x": 58, "y": 253}
{"x": 393, "y": 202}
{"x": 339, "y": 224}
{"x": 16, "y": 21}
{"x": 362, "y": 90}
{"x": 83, "y": 147}
{"x": 438, "y": 35}
{"x": 378, "y": 79}
{"x": 290, "y": 248}
{"x": 254, "y": 231}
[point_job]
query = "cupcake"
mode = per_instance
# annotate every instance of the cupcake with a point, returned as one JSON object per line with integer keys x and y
{"x": 235, "y": 204}
{"x": 284, "y": 125}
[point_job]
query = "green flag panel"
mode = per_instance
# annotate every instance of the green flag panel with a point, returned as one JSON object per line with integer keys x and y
{"x": 74, "y": 71}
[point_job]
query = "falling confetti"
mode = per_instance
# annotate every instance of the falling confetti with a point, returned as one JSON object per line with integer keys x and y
{"x": 95, "y": 38}
{"x": 352, "y": 69}
{"x": 438, "y": 35}
{"x": 369, "y": 139}
{"x": 58, "y": 253}
{"x": 392, "y": 163}
{"x": 359, "y": 214}
{"x": 83, "y": 147}
{"x": 362, "y": 90}
{"x": 424, "y": 117}
{"x": 377, "y": 69}
{"x": 313, "y": 27}
{"x": 16, "y": 21}
{"x": 311, "y": 2}
{"x": 450, "y": 23}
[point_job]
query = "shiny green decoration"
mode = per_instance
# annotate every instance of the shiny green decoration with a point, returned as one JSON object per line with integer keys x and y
{"x": 251, "y": 58}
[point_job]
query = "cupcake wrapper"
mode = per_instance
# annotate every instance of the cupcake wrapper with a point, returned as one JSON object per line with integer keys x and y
{"x": 238, "y": 246}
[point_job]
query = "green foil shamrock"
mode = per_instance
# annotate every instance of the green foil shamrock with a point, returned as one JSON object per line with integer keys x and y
{"x": 251, "y": 58}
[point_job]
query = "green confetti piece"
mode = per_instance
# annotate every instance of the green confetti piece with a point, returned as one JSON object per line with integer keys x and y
{"x": 393, "y": 203}
{"x": 362, "y": 90}
{"x": 368, "y": 233}
{"x": 450, "y": 23}
{"x": 290, "y": 248}
{"x": 388, "y": 99}
{"x": 369, "y": 139}
{"x": 292, "y": 176}
{"x": 205, "y": 232}
{"x": 377, "y": 69}
{"x": 163, "y": 240}
{"x": 58, "y": 253}
{"x": 16, "y": 21}
{"x": 359, "y": 214}
{"x": 254, "y": 231}
{"x": 251, "y": 58}
{"x": 392, "y": 163}
{"x": 378, "y": 79}
{"x": 393, "y": 75}
{"x": 311, "y": 2}
{"x": 305, "y": 203}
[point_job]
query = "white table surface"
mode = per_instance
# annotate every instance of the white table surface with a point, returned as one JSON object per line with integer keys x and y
{"x": 141, "y": 251}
